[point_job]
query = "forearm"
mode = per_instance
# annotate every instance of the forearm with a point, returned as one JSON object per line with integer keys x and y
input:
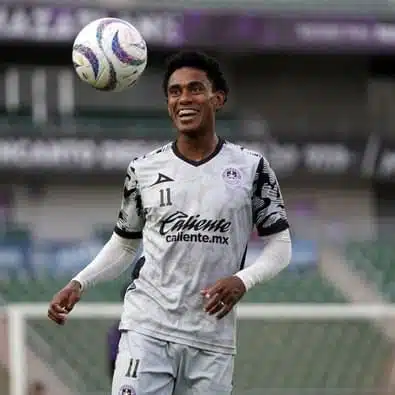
{"x": 113, "y": 259}
{"x": 275, "y": 257}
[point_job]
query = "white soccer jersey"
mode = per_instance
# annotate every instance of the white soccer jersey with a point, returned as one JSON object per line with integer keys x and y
{"x": 195, "y": 219}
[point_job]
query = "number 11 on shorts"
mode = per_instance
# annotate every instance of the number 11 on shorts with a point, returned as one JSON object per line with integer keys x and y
{"x": 133, "y": 368}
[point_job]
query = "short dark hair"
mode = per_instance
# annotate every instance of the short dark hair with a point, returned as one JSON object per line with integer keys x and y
{"x": 200, "y": 61}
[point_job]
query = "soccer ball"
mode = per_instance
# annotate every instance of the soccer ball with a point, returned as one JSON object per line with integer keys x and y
{"x": 110, "y": 54}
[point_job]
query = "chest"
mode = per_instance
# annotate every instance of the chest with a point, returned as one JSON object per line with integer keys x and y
{"x": 209, "y": 191}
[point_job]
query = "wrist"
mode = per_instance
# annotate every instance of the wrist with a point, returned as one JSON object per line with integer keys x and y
{"x": 76, "y": 284}
{"x": 244, "y": 281}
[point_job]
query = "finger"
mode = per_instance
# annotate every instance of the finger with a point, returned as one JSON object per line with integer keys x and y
{"x": 59, "y": 319}
{"x": 229, "y": 299}
{"x": 226, "y": 309}
{"x": 57, "y": 312}
{"x": 57, "y": 308}
{"x": 214, "y": 289}
{"x": 218, "y": 308}
{"x": 74, "y": 298}
{"x": 216, "y": 305}
{"x": 212, "y": 302}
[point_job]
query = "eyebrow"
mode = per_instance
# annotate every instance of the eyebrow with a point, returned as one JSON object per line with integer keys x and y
{"x": 177, "y": 85}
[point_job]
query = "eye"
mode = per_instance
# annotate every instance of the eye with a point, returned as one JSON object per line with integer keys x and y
{"x": 174, "y": 91}
{"x": 197, "y": 88}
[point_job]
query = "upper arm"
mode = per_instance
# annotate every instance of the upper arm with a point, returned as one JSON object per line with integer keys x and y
{"x": 269, "y": 213}
{"x": 131, "y": 218}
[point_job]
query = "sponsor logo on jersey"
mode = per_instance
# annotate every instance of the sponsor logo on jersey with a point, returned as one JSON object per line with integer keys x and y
{"x": 181, "y": 227}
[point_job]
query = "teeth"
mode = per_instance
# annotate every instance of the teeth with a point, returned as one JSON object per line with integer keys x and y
{"x": 185, "y": 113}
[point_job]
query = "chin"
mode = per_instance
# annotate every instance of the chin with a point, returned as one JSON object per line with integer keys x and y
{"x": 189, "y": 130}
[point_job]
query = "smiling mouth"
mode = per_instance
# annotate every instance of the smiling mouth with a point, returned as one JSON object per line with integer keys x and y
{"x": 187, "y": 115}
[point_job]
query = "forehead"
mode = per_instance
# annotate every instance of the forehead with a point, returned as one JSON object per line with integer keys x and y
{"x": 186, "y": 75}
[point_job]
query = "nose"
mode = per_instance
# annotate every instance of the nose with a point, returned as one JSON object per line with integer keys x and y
{"x": 185, "y": 97}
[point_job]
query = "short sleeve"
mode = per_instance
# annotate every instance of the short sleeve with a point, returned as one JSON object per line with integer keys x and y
{"x": 269, "y": 213}
{"x": 131, "y": 216}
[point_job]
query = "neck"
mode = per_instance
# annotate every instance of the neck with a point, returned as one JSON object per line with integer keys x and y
{"x": 197, "y": 147}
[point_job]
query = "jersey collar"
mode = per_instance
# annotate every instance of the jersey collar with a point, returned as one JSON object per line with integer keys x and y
{"x": 198, "y": 162}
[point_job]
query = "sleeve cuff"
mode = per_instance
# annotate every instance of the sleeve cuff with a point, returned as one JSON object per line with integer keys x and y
{"x": 277, "y": 227}
{"x": 128, "y": 235}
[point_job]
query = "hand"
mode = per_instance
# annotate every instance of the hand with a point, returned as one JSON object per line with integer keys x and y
{"x": 64, "y": 301}
{"x": 223, "y": 295}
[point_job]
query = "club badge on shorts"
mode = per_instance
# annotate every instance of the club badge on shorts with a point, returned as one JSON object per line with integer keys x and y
{"x": 127, "y": 390}
{"x": 232, "y": 176}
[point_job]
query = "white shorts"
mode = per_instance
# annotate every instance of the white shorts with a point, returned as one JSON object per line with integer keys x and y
{"x": 149, "y": 366}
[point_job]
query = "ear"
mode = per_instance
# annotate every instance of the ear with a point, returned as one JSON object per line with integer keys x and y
{"x": 218, "y": 99}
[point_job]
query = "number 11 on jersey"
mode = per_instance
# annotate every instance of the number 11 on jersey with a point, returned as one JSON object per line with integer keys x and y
{"x": 165, "y": 197}
{"x": 133, "y": 368}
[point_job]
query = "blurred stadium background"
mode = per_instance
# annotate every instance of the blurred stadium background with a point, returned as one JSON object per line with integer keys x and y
{"x": 312, "y": 87}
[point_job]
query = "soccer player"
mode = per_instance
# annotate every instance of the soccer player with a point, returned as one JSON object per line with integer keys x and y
{"x": 194, "y": 202}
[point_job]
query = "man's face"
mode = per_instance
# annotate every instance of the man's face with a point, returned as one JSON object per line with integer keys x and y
{"x": 191, "y": 101}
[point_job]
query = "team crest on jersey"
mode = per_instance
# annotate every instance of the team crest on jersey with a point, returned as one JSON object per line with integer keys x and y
{"x": 127, "y": 390}
{"x": 232, "y": 176}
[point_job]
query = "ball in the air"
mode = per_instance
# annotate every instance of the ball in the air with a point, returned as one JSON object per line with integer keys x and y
{"x": 110, "y": 54}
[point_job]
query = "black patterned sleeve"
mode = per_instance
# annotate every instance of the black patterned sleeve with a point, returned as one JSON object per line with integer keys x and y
{"x": 131, "y": 216}
{"x": 267, "y": 202}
